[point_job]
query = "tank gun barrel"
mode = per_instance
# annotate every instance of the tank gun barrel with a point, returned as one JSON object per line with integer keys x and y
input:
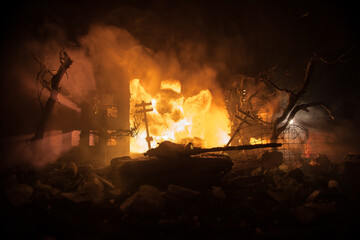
{"x": 168, "y": 149}
{"x": 232, "y": 148}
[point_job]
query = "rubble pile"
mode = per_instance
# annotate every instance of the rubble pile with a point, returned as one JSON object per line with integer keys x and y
{"x": 257, "y": 200}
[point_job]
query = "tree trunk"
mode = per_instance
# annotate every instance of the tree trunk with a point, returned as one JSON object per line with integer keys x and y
{"x": 55, "y": 80}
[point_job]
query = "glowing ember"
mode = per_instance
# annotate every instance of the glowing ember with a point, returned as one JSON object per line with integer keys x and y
{"x": 179, "y": 119}
{"x": 111, "y": 141}
{"x": 314, "y": 163}
{"x": 265, "y": 116}
{"x": 308, "y": 149}
{"x": 258, "y": 141}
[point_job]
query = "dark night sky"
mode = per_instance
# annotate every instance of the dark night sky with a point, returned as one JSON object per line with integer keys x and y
{"x": 247, "y": 36}
{"x": 273, "y": 32}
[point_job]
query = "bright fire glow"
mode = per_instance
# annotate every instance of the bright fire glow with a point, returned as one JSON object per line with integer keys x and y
{"x": 254, "y": 141}
{"x": 177, "y": 118}
{"x": 308, "y": 149}
{"x": 265, "y": 116}
{"x": 172, "y": 85}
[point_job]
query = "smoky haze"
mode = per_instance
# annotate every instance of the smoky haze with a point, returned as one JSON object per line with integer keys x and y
{"x": 184, "y": 40}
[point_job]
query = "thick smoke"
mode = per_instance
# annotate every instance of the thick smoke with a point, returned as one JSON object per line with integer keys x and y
{"x": 108, "y": 57}
{"x": 117, "y": 53}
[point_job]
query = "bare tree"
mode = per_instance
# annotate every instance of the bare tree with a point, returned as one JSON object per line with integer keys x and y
{"x": 292, "y": 107}
{"x": 53, "y": 87}
{"x": 251, "y": 103}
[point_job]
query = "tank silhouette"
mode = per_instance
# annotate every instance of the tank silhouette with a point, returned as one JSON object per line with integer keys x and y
{"x": 172, "y": 163}
{"x": 170, "y": 150}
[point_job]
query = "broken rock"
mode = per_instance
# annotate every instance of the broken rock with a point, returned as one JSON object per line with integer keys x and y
{"x": 272, "y": 159}
{"x": 311, "y": 211}
{"x": 45, "y": 190}
{"x": 116, "y": 192}
{"x": 147, "y": 200}
{"x": 218, "y": 192}
{"x": 322, "y": 160}
{"x": 279, "y": 195}
{"x": 333, "y": 184}
{"x": 349, "y": 168}
{"x": 89, "y": 191}
{"x": 18, "y": 194}
{"x": 175, "y": 192}
{"x": 313, "y": 196}
{"x": 257, "y": 171}
{"x": 296, "y": 174}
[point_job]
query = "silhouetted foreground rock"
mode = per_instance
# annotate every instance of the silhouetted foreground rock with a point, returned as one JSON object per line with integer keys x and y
{"x": 140, "y": 199}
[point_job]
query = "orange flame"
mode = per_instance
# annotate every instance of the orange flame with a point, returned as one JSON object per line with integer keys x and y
{"x": 179, "y": 119}
{"x": 259, "y": 140}
{"x": 172, "y": 85}
{"x": 308, "y": 149}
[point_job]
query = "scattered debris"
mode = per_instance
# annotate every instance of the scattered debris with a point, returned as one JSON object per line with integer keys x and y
{"x": 116, "y": 192}
{"x": 296, "y": 173}
{"x": 47, "y": 190}
{"x": 19, "y": 194}
{"x": 257, "y": 171}
{"x": 333, "y": 184}
{"x": 218, "y": 192}
{"x": 313, "y": 196}
{"x": 322, "y": 160}
{"x": 107, "y": 182}
{"x": 349, "y": 167}
{"x": 175, "y": 192}
{"x": 247, "y": 200}
{"x": 271, "y": 159}
{"x": 89, "y": 191}
{"x": 312, "y": 211}
{"x": 147, "y": 200}
{"x": 279, "y": 195}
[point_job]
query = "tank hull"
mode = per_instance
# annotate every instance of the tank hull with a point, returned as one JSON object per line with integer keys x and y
{"x": 192, "y": 172}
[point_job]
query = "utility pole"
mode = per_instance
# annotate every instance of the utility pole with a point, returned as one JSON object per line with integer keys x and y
{"x": 144, "y": 110}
